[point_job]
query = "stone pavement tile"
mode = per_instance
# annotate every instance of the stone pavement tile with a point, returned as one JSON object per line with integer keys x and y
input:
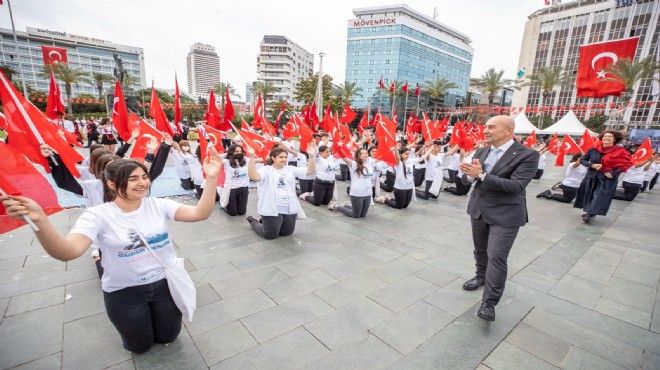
{"x": 579, "y": 359}
{"x": 411, "y": 327}
{"x": 452, "y": 266}
{"x": 126, "y": 365}
{"x": 482, "y": 367}
{"x": 41, "y": 258}
{"x": 532, "y": 243}
{"x": 553, "y": 267}
{"x": 289, "y": 351}
{"x": 638, "y": 273}
{"x": 531, "y": 279}
{"x": 12, "y": 263}
{"x": 296, "y": 266}
{"x": 205, "y": 256}
{"x": 262, "y": 260}
{"x": 624, "y": 313}
{"x": 609, "y": 348}
{"x": 206, "y": 294}
{"x": 519, "y": 258}
{"x": 363, "y": 354}
{"x": 382, "y": 253}
{"x": 351, "y": 266}
{"x": 436, "y": 276}
{"x": 596, "y": 321}
{"x": 31, "y": 335}
{"x": 34, "y": 301}
{"x": 4, "y": 303}
{"x": 220, "y": 271}
{"x": 631, "y": 294}
{"x": 651, "y": 361}
{"x": 397, "y": 269}
{"x": 253, "y": 280}
{"x": 604, "y": 256}
{"x": 592, "y": 271}
{"x": 578, "y": 290}
{"x": 350, "y": 290}
{"x": 18, "y": 284}
{"x": 317, "y": 258}
{"x": 180, "y": 354}
{"x": 296, "y": 286}
{"x": 354, "y": 320}
{"x": 508, "y": 356}
{"x": 223, "y": 342}
{"x": 403, "y": 293}
{"x": 453, "y": 298}
{"x": 539, "y": 344}
{"x": 655, "y": 319}
{"x": 464, "y": 343}
{"x": 92, "y": 340}
{"x": 86, "y": 300}
{"x": 274, "y": 321}
{"x": 53, "y": 361}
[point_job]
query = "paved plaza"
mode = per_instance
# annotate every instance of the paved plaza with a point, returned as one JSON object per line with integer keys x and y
{"x": 377, "y": 293}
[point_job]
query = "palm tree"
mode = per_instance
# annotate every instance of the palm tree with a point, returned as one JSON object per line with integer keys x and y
{"x": 130, "y": 81}
{"x": 547, "y": 78}
{"x": 69, "y": 76}
{"x": 264, "y": 88}
{"x": 490, "y": 82}
{"x": 220, "y": 89}
{"x": 275, "y": 108}
{"x": 99, "y": 78}
{"x": 629, "y": 72}
{"x": 8, "y": 71}
{"x": 437, "y": 88}
{"x": 347, "y": 91}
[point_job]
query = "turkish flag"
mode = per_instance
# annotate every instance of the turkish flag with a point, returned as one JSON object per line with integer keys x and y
{"x": 381, "y": 84}
{"x": 364, "y": 122}
{"x": 304, "y": 131}
{"x": 53, "y": 55}
{"x": 429, "y": 130}
{"x": 177, "y": 107}
{"x": 212, "y": 116}
{"x": 28, "y": 129}
{"x": 214, "y": 136}
{"x": 404, "y": 88}
{"x": 55, "y": 106}
{"x": 553, "y": 145}
{"x": 267, "y": 127}
{"x": 147, "y": 132}
{"x": 568, "y": 146}
{"x": 20, "y": 177}
{"x": 229, "y": 113}
{"x": 279, "y": 115}
{"x": 259, "y": 144}
{"x": 595, "y": 59}
{"x": 339, "y": 144}
{"x": 290, "y": 129}
{"x": 418, "y": 90}
{"x": 313, "y": 117}
{"x": 531, "y": 140}
{"x": 156, "y": 112}
{"x": 392, "y": 87}
{"x": 585, "y": 142}
{"x": 385, "y": 133}
{"x": 348, "y": 115}
{"x": 258, "y": 114}
{"x": 643, "y": 153}
{"x": 305, "y": 114}
{"x": 443, "y": 125}
{"x": 120, "y": 114}
{"x": 202, "y": 133}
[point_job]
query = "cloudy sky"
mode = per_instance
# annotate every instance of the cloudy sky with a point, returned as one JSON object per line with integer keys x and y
{"x": 165, "y": 29}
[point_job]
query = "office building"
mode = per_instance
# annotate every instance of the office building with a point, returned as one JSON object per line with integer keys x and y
{"x": 398, "y": 43}
{"x": 553, "y": 36}
{"x": 203, "y": 67}
{"x": 83, "y": 52}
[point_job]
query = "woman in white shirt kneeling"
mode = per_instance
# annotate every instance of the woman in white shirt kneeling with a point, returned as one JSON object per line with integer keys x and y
{"x": 276, "y": 186}
{"x": 362, "y": 169}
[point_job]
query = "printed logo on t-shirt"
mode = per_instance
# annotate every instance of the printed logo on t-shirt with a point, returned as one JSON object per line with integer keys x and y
{"x": 238, "y": 174}
{"x": 137, "y": 247}
{"x": 280, "y": 183}
{"x": 329, "y": 169}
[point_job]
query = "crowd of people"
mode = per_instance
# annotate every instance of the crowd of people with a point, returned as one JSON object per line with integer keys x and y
{"x": 121, "y": 217}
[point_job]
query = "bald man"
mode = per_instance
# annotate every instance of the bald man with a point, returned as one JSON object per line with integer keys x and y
{"x": 497, "y": 206}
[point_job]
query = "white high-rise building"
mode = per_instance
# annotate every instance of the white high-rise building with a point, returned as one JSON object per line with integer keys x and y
{"x": 203, "y": 69}
{"x": 283, "y": 63}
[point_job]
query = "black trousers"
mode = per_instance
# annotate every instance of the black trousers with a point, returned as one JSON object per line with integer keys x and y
{"x": 200, "y": 189}
{"x": 388, "y": 185}
{"x": 271, "y": 227}
{"x": 567, "y": 195}
{"x": 425, "y": 194}
{"x": 187, "y": 184}
{"x": 401, "y": 200}
{"x": 238, "y": 200}
{"x": 451, "y": 176}
{"x": 492, "y": 245}
{"x": 653, "y": 181}
{"x": 418, "y": 176}
{"x": 322, "y": 193}
{"x": 144, "y": 315}
{"x": 645, "y": 184}
{"x": 306, "y": 186}
{"x": 629, "y": 192}
{"x": 344, "y": 172}
{"x": 460, "y": 189}
{"x": 358, "y": 208}
{"x": 539, "y": 174}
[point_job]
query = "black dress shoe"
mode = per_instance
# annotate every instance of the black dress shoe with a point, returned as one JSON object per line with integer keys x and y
{"x": 486, "y": 312}
{"x": 474, "y": 283}
{"x": 586, "y": 218}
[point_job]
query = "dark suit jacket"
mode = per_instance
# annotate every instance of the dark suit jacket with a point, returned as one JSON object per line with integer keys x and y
{"x": 500, "y": 198}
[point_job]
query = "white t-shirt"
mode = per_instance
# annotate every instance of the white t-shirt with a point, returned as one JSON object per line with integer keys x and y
{"x": 404, "y": 181}
{"x": 362, "y": 183}
{"x": 466, "y": 159}
{"x": 270, "y": 184}
{"x": 379, "y": 168}
{"x": 126, "y": 260}
{"x": 455, "y": 162}
{"x": 635, "y": 175}
{"x": 325, "y": 168}
{"x": 196, "y": 171}
{"x": 236, "y": 177}
{"x": 574, "y": 176}
{"x": 92, "y": 192}
{"x": 85, "y": 173}
{"x": 181, "y": 161}
{"x": 542, "y": 158}
{"x": 303, "y": 162}
{"x": 648, "y": 174}
{"x": 433, "y": 166}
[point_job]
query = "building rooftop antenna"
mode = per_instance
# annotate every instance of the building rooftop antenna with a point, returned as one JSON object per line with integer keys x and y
{"x": 435, "y": 13}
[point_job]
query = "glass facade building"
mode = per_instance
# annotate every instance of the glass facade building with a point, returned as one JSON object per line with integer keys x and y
{"x": 397, "y": 43}
{"x": 83, "y": 52}
{"x": 553, "y": 37}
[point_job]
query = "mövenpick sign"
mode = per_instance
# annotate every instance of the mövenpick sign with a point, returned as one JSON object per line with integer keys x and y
{"x": 373, "y": 22}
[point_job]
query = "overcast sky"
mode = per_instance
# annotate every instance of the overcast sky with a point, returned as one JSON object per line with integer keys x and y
{"x": 166, "y": 29}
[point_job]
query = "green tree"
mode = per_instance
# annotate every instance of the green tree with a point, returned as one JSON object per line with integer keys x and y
{"x": 265, "y": 88}
{"x": 490, "y": 83}
{"x": 130, "y": 81}
{"x": 547, "y": 79}
{"x": 67, "y": 75}
{"x": 305, "y": 91}
{"x": 99, "y": 79}
{"x": 275, "y": 108}
{"x": 347, "y": 91}
{"x": 438, "y": 88}
{"x": 220, "y": 90}
{"x": 596, "y": 123}
{"x": 9, "y": 71}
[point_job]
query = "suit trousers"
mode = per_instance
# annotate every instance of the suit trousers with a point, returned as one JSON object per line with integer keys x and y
{"x": 492, "y": 245}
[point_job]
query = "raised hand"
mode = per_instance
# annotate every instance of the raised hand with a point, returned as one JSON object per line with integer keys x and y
{"x": 167, "y": 139}
{"x": 152, "y": 145}
{"x": 17, "y": 207}
{"x": 212, "y": 163}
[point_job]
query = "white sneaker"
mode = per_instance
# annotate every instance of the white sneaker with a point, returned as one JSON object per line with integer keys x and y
{"x": 303, "y": 196}
{"x": 347, "y": 203}
{"x": 333, "y": 206}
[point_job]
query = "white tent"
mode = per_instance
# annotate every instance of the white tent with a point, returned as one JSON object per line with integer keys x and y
{"x": 567, "y": 125}
{"x": 523, "y": 126}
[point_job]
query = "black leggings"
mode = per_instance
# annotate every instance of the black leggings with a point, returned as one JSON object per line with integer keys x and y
{"x": 451, "y": 176}
{"x": 653, "y": 181}
{"x": 144, "y": 315}
{"x": 358, "y": 208}
{"x": 629, "y": 191}
{"x": 567, "y": 195}
{"x": 306, "y": 186}
{"x": 344, "y": 172}
{"x": 426, "y": 194}
{"x": 418, "y": 176}
{"x": 460, "y": 189}
{"x": 322, "y": 193}
{"x": 200, "y": 189}
{"x": 401, "y": 200}
{"x": 187, "y": 184}
{"x": 388, "y": 185}
{"x": 271, "y": 227}
{"x": 238, "y": 200}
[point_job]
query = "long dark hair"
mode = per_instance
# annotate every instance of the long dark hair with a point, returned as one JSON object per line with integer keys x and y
{"x": 96, "y": 154}
{"x": 102, "y": 162}
{"x": 360, "y": 169}
{"x": 618, "y": 136}
{"x": 231, "y": 151}
{"x": 118, "y": 173}
{"x": 402, "y": 150}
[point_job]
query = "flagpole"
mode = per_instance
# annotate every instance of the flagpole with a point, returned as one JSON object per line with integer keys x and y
{"x": 18, "y": 50}
{"x": 405, "y": 111}
{"x": 417, "y": 111}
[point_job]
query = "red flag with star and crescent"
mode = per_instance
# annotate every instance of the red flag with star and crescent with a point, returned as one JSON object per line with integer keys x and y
{"x": 643, "y": 153}
{"x": 568, "y": 146}
{"x": 212, "y": 116}
{"x": 53, "y": 55}
{"x": 595, "y": 59}
{"x": 348, "y": 115}
{"x": 120, "y": 113}
{"x": 553, "y": 145}
{"x": 147, "y": 132}
{"x": 177, "y": 107}
{"x": 55, "y": 106}
{"x": 531, "y": 140}
{"x": 158, "y": 114}
{"x": 585, "y": 141}
{"x": 404, "y": 88}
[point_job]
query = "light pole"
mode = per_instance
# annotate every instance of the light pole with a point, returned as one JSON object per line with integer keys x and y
{"x": 18, "y": 50}
{"x": 319, "y": 88}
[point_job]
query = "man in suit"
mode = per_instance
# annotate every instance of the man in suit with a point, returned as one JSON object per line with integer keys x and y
{"x": 497, "y": 206}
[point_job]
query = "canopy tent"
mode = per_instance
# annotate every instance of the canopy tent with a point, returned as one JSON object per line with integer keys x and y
{"x": 567, "y": 125}
{"x": 523, "y": 126}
